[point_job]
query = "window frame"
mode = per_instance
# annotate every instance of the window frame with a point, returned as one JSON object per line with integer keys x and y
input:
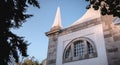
{"x": 85, "y": 55}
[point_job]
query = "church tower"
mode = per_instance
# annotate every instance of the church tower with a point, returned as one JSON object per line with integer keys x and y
{"x": 53, "y": 38}
{"x": 91, "y": 40}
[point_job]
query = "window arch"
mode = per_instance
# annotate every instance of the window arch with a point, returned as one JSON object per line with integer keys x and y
{"x": 79, "y": 49}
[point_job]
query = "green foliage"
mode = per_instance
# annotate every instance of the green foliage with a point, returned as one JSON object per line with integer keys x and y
{"x": 12, "y": 15}
{"x": 29, "y": 61}
{"x": 107, "y": 7}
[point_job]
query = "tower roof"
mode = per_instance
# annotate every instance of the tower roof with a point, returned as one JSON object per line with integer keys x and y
{"x": 57, "y": 21}
{"x": 89, "y": 15}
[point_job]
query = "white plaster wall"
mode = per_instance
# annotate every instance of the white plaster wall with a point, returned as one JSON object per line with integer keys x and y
{"x": 95, "y": 33}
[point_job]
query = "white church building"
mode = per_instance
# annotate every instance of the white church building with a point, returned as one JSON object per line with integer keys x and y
{"x": 91, "y": 40}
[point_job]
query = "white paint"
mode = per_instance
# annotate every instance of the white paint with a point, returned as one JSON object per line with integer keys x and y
{"x": 95, "y": 34}
{"x": 57, "y": 20}
{"x": 89, "y": 15}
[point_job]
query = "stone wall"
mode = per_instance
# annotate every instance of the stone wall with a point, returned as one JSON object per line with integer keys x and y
{"x": 112, "y": 40}
{"x": 52, "y": 47}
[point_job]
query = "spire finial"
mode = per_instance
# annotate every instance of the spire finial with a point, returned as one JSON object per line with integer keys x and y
{"x": 57, "y": 21}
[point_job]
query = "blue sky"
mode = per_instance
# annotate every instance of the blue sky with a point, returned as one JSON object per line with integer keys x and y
{"x": 35, "y": 27}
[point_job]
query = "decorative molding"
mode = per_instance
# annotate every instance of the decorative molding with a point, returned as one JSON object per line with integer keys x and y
{"x": 80, "y": 26}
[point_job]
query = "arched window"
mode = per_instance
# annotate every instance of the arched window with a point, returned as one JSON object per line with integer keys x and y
{"x": 79, "y": 49}
{"x": 68, "y": 53}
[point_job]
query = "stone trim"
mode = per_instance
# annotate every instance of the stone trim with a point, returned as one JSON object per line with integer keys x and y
{"x": 52, "y": 33}
{"x": 80, "y": 26}
{"x": 75, "y": 28}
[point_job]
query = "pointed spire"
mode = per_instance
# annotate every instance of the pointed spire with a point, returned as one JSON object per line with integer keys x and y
{"x": 57, "y": 21}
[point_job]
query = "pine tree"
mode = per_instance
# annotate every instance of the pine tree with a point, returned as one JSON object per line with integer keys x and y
{"x": 12, "y": 15}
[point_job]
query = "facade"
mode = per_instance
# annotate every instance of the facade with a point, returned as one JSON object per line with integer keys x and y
{"x": 91, "y": 40}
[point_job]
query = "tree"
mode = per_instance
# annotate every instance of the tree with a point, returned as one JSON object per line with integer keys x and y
{"x": 13, "y": 15}
{"x": 107, "y": 7}
{"x": 29, "y": 61}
